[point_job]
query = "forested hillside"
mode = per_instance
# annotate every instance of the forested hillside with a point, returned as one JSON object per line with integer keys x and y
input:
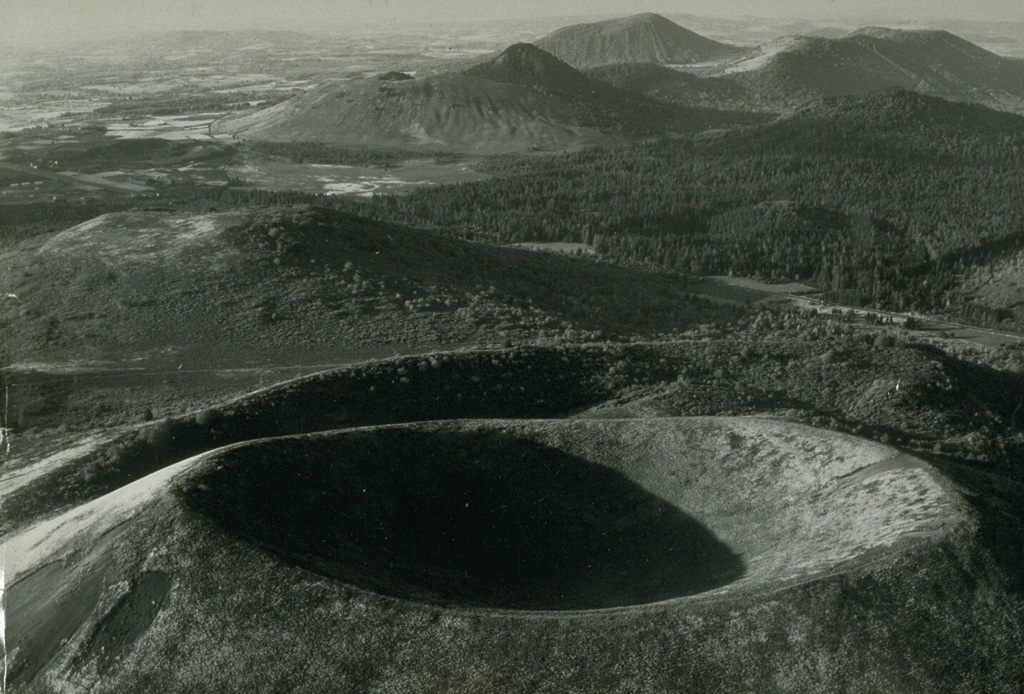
{"x": 883, "y": 200}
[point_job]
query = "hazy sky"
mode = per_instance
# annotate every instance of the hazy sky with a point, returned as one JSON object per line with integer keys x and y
{"x": 22, "y": 19}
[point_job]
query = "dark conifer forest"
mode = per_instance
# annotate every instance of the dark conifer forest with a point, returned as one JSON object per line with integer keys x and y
{"x": 883, "y": 201}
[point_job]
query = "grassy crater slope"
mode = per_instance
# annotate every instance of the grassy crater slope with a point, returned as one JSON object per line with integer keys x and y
{"x": 862, "y": 569}
{"x": 821, "y": 373}
{"x": 529, "y": 382}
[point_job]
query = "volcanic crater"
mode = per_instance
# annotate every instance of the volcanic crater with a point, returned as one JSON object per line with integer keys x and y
{"x": 465, "y": 540}
{"x": 557, "y": 515}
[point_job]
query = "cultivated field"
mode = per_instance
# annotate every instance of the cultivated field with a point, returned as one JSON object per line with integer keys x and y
{"x": 354, "y": 180}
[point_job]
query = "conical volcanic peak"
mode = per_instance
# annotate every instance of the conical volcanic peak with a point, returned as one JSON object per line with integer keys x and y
{"x": 642, "y": 38}
{"x": 526, "y": 65}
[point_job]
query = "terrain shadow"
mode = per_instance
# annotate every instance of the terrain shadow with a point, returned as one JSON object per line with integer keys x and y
{"x": 481, "y": 519}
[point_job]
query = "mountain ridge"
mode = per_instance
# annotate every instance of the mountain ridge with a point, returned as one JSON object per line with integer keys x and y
{"x": 675, "y": 86}
{"x": 277, "y": 276}
{"x": 523, "y": 99}
{"x": 934, "y": 62}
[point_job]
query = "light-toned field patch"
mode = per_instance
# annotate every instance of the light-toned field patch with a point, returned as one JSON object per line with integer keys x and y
{"x": 195, "y": 127}
{"x": 570, "y": 248}
{"x": 140, "y": 236}
{"x": 354, "y": 180}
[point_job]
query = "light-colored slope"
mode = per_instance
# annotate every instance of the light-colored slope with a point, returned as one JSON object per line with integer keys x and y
{"x": 668, "y": 84}
{"x": 790, "y": 499}
{"x": 763, "y": 55}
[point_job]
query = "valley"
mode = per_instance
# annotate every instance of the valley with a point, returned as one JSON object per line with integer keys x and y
{"x": 625, "y": 354}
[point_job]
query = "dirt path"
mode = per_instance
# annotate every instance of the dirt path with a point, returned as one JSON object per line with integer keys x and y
{"x": 746, "y": 291}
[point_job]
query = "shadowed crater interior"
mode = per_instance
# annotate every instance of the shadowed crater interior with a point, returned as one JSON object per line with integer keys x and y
{"x": 461, "y": 517}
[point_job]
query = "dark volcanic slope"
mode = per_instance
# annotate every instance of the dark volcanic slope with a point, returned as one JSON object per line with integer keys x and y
{"x": 931, "y": 62}
{"x": 599, "y": 102}
{"x": 522, "y": 99}
{"x": 904, "y": 119}
{"x": 665, "y": 84}
{"x": 528, "y": 66}
{"x": 642, "y": 38}
{"x": 899, "y": 108}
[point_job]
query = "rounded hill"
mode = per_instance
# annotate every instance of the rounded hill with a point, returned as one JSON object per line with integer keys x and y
{"x": 666, "y": 84}
{"x": 895, "y": 108}
{"x": 904, "y": 119}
